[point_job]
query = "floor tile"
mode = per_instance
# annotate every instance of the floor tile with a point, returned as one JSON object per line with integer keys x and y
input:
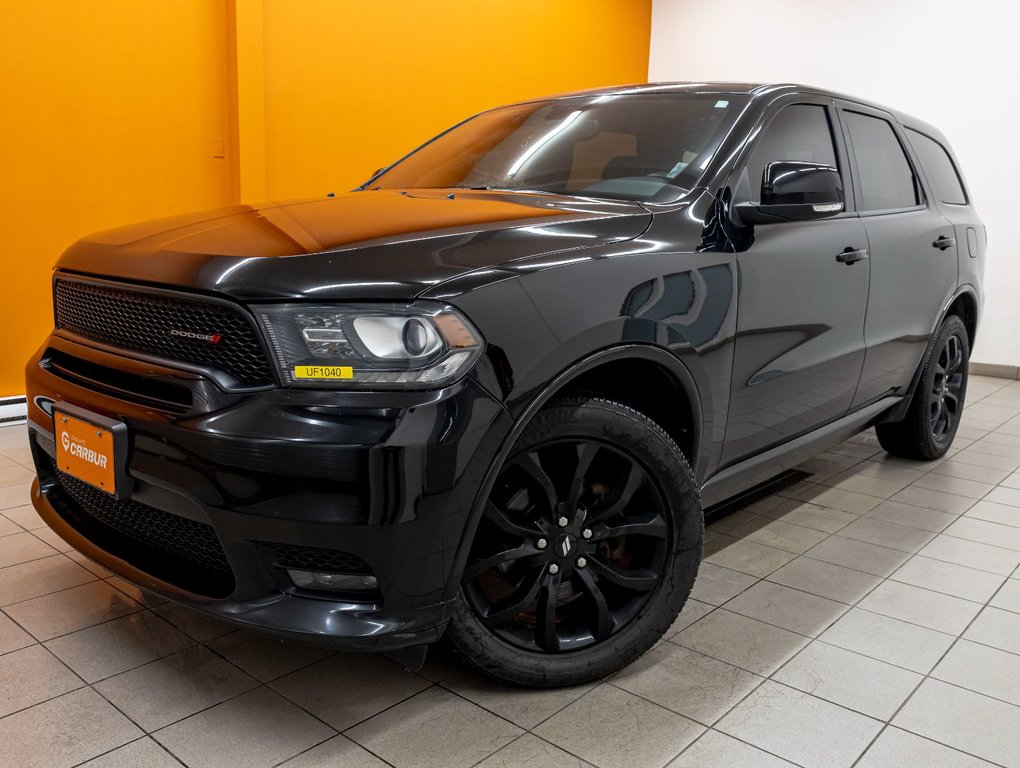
{"x": 896, "y": 748}
{"x": 1008, "y": 598}
{"x": 982, "y": 669}
{"x": 912, "y": 517}
{"x": 40, "y": 577}
{"x": 255, "y": 730}
{"x": 954, "y": 468}
{"x": 71, "y": 609}
{"x": 825, "y": 579}
{"x": 747, "y": 556}
{"x": 997, "y": 628}
{"x": 24, "y": 516}
{"x": 972, "y": 554}
{"x": 64, "y": 731}
{"x": 266, "y": 658}
{"x": 12, "y": 637}
{"x": 1002, "y": 495}
{"x": 967, "y": 721}
{"x": 887, "y": 639}
{"x": 379, "y": 682}
{"x": 193, "y": 623}
{"x": 883, "y": 534}
{"x": 21, "y": 548}
{"x": 434, "y": 729}
{"x": 780, "y": 534}
{"x": 715, "y": 585}
{"x": 170, "y": 689}
{"x": 1005, "y": 514}
{"x": 717, "y": 750}
{"x": 31, "y": 676}
{"x": 7, "y": 527}
{"x": 15, "y": 495}
{"x": 743, "y": 642}
{"x": 937, "y": 500}
{"x": 916, "y": 605}
{"x": 857, "y": 682}
{"x": 788, "y": 608}
{"x": 986, "y": 532}
{"x": 631, "y": 731}
{"x": 532, "y": 752}
{"x": 800, "y": 727}
{"x": 143, "y": 753}
{"x": 687, "y": 682}
{"x": 338, "y": 752}
{"x": 948, "y": 578}
{"x": 837, "y": 498}
{"x": 810, "y": 515}
{"x": 858, "y": 555}
{"x": 119, "y": 645}
{"x": 692, "y": 612}
{"x": 955, "y": 485}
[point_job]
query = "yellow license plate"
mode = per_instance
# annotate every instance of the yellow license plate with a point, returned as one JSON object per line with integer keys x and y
{"x": 86, "y": 451}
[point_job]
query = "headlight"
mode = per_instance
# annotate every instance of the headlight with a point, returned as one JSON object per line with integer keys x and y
{"x": 370, "y": 346}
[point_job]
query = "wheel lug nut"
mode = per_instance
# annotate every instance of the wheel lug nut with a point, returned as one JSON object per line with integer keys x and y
{"x": 553, "y": 568}
{"x": 581, "y": 562}
{"x": 586, "y": 533}
{"x": 541, "y": 543}
{"x": 563, "y": 522}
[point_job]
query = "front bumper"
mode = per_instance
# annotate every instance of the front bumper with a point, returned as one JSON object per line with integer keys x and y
{"x": 386, "y": 481}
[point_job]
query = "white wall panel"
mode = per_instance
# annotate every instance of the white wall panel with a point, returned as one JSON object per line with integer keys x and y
{"x": 954, "y": 64}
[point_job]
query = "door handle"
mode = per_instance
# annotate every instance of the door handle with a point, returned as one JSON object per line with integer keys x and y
{"x": 944, "y": 242}
{"x": 850, "y": 256}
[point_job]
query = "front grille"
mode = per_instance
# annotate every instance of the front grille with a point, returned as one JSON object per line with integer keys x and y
{"x": 143, "y": 321}
{"x": 319, "y": 560}
{"x": 173, "y": 548}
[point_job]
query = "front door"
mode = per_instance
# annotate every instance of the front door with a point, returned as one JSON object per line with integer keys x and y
{"x": 799, "y": 346}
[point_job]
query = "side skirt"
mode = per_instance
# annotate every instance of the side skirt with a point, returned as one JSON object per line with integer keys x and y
{"x": 757, "y": 469}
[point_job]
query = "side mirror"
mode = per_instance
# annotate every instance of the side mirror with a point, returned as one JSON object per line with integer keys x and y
{"x": 793, "y": 191}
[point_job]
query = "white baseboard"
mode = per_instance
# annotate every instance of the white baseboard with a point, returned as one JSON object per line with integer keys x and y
{"x": 993, "y": 369}
{"x": 12, "y": 410}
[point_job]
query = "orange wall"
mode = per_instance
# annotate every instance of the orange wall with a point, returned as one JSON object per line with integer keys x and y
{"x": 354, "y": 86}
{"x": 111, "y": 111}
{"x": 108, "y": 112}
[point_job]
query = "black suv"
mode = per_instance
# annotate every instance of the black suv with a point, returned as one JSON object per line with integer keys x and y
{"x": 490, "y": 392}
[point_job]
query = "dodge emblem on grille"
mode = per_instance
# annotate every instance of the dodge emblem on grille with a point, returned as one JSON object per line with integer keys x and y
{"x": 212, "y": 338}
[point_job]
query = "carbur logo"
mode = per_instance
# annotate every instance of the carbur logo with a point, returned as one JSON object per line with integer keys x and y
{"x": 212, "y": 338}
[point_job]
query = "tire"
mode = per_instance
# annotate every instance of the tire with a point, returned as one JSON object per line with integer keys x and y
{"x": 928, "y": 429}
{"x": 555, "y": 593}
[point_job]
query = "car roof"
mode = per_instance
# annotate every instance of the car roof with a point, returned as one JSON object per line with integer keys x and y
{"x": 755, "y": 90}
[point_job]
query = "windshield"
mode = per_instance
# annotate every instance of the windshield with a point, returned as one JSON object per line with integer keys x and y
{"x": 636, "y": 147}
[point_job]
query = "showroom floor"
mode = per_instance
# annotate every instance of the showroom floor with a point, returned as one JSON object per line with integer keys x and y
{"x": 868, "y": 610}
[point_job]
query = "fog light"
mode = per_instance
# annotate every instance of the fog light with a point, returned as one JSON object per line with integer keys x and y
{"x": 335, "y": 582}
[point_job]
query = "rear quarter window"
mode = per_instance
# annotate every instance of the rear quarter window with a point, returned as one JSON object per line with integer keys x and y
{"x": 941, "y": 170}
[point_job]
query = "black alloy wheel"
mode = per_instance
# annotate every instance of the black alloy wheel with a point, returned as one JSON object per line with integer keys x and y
{"x": 586, "y": 549}
{"x": 929, "y": 426}
{"x": 945, "y": 397}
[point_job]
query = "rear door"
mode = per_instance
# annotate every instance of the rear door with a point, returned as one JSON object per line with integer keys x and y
{"x": 913, "y": 252}
{"x": 800, "y": 314}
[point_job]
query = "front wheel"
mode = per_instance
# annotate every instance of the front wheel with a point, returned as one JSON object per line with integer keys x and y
{"x": 587, "y": 549}
{"x": 928, "y": 429}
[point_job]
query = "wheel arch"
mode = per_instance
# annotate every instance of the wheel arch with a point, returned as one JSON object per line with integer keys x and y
{"x": 964, "y": 303}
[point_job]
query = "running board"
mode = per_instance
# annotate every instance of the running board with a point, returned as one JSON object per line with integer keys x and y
{"x": 758, "y": 469}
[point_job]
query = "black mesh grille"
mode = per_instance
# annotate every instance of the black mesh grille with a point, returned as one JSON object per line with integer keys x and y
{"x": 188, "y": 542}
{"x": 319, "y": 560}
{"x": 144, "y": 321}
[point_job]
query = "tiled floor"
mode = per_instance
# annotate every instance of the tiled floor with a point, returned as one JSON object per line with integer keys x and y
{"x": 867, "y": 616}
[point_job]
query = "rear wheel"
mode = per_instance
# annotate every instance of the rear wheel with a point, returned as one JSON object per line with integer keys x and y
{"x": 587, "y": 549}
{"x": 928, "y": 429}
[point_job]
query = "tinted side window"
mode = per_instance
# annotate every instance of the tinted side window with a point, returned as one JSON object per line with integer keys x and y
{"x": 800, "y": 132}
{"x": 941, "y": 171}
{"x": 887, "y": 180}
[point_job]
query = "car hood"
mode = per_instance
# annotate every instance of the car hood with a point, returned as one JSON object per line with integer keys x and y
{"x": 383, "y": 245}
